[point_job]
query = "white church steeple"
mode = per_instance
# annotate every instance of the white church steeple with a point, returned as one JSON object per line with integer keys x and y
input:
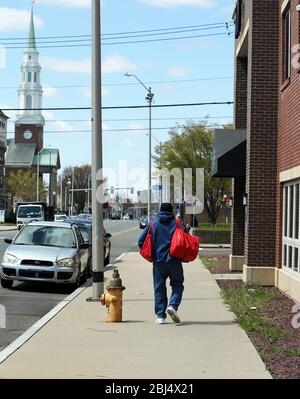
{"x": 30, "y": 90}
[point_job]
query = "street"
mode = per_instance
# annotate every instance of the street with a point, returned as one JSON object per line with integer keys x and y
{"x": 27, "y": 302}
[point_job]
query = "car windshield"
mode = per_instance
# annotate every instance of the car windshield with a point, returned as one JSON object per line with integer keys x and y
{"x": 85, "y": 232}
{"x": 48, "y": 236}
{"x": 29, "y": 211}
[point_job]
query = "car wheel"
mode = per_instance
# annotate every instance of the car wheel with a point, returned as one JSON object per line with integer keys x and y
{"x": 6, "y": 283}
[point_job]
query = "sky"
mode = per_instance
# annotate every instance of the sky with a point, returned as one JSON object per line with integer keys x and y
{"x": 185, "y": 70}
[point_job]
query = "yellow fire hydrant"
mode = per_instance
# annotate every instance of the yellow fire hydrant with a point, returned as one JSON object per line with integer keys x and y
{"x": 113, "y": 300}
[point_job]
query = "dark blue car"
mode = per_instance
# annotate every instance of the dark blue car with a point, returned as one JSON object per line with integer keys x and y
{"x": 85, "y": 227}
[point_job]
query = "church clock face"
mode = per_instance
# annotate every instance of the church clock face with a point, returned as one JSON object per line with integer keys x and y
{"x": 27, "y": 134}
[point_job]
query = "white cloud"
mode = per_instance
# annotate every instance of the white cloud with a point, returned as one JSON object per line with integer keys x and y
{"x": 50, "y": 91}
{"x": 113, "y": 64}
{"x": 57, "y": 124}
{"x": 67, "y": 3}
{"x": 117, "y": 63}
{"x": 178, "y": 3}
{"x": 129, "y": 142}
{"x": 179, "y": 71}
{"x": 12, "y": 19}
{"x": 136, "y": 126}
{"x": 63, "y": 65}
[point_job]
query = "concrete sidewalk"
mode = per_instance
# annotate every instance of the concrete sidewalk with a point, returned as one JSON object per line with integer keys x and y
{"x": 4, "y": 227}
{"x": 77, "y": 343}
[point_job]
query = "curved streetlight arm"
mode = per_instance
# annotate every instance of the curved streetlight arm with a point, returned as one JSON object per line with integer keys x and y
{"x": 145, "y": 87}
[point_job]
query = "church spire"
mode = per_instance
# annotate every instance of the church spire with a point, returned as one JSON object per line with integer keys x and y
{"x": 31, "y": 39}
{"x": 30, "y": 90}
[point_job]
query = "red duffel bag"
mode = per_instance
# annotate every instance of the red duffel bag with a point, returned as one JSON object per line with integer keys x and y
{"x": 183, "y": 245}
{"x": 146, "y": 250}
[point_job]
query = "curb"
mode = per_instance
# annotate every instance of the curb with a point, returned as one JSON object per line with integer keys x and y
{"x": 212, "y": 246}
{"x": 23, "y": 338}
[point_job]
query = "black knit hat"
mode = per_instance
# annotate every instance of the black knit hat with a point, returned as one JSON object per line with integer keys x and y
{"x": 166, "y": 207}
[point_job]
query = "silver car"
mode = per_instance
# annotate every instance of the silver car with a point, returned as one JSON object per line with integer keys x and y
{"x": 46, "y": 251}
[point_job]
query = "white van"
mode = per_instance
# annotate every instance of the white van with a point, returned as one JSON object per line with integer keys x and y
{"x": 30, "y": 212}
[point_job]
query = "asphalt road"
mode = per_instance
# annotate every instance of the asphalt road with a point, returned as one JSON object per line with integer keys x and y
{"x": 27, "y": 302}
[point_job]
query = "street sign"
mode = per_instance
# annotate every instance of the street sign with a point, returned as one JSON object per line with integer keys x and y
{"x": 157, "y": 187}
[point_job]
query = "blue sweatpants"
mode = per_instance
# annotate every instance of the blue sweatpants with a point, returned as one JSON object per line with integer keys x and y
{"x": 161, "y": 271}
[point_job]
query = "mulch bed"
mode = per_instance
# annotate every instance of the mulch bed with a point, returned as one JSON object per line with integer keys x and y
{"x": 279, "y": 357}
{"x": 222, "y": 266}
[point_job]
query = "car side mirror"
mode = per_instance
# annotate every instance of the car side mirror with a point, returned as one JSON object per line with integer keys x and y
{"x": 107, "y": 235}
{"x": 8, "y": 240}
{"x": 84, "y": 245}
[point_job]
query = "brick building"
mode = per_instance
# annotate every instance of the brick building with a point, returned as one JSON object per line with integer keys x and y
{"x": 3, "y": 136}
{"x": 266, "y": 140}
{"x": 26, "y": 150}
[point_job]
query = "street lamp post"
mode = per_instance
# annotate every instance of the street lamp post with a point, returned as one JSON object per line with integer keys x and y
{"x": 149, "y": 99}
{"x": 160, "y": 177}
{"x": 38, "y": 177}
{"x": 69, "y": 184}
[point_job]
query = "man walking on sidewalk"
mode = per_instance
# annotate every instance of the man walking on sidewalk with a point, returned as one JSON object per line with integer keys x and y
{"x": 164, "y": 266}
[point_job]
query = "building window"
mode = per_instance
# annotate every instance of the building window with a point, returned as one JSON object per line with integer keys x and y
{"x": 35, "y": 77}
{"x": 29, "y": 77}
{"x": 291, "y": 226}
{"x": 28, "y": 102}
{"x": 287, "y": 43}
{"x": 238, "y": 19}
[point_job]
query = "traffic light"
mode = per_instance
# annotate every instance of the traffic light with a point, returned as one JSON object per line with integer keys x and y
{"x": 112, "y": 190}
{"x": 132, "y": 190}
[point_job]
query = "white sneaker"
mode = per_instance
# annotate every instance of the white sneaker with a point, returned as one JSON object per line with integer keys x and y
{"x": 160, "y": 321}
{"x": 173, "y": 314}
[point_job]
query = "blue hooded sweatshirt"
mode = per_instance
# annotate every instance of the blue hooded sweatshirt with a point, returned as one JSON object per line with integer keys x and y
{"x": 163, "y": 228}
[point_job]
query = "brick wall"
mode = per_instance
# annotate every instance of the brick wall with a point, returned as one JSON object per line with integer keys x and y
{"x": 262, "y": 133}
{"x": 289, "y": 118}
{"x": 37, "y": 135}
{"x": 238, "y": 185}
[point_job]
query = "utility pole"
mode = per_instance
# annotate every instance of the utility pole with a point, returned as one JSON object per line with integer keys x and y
{"x": 149, "y": 99}
{"x": 61, "y": 192}
{"x": 72, "y": 195}
{"x": 97, "y": 160}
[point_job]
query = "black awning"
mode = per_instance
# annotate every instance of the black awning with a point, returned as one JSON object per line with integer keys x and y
{"x": 229, "y": 158}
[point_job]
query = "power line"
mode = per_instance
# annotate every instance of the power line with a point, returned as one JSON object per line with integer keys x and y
{"x": 129, "y": 84}
{"x": 123, "y": 130}
{"x": 120, "y": 107}
{"x": 224, "y": 24}
{"x": 199, "y": 118}
{"x": 120, "y": 37}
{"x": 228, "y": 33}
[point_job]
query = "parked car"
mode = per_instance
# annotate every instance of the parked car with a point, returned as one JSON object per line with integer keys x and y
{"x": 143, "y": 221}
{"x": 126, "y": 217}
{"x": 60, "y": 217}
{"x": 116, "y": 216}
{"x": 46, "y": 251}
{"x": 85, "y": 227}
{"x": 86, "y": 216}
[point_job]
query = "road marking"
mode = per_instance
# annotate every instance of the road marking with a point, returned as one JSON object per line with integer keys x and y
{"x": 124, "y": 231}
{"x": 20, "y": 341}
